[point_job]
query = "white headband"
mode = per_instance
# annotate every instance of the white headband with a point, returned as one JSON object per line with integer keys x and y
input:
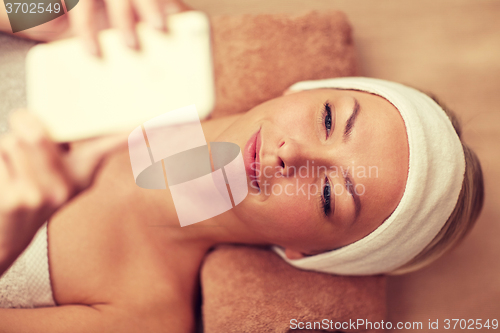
{"x": 435, "y": 176}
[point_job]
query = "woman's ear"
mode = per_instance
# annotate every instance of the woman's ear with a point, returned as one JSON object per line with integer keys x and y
{"x": 292, "y": 254}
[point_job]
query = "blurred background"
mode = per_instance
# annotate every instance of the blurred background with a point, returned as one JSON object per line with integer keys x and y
{"x": 448, "y": 47}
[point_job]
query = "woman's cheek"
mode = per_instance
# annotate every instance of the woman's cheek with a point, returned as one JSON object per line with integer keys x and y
{"x": 293, "y": 213}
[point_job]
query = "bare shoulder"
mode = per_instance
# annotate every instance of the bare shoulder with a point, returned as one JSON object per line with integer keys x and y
{"x": 101, "y": 245}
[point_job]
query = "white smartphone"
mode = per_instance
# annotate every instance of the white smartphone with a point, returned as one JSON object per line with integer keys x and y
{"x": 79, "y": 96}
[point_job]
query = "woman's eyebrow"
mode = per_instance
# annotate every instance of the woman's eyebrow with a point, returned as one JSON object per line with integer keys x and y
{"x": 349, "y": 125}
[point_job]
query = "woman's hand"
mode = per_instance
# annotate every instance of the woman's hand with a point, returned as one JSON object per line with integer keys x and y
{"x": 88, "y": 17}
{"x": 120, "y": 14}
{"x": 38, "y": 176}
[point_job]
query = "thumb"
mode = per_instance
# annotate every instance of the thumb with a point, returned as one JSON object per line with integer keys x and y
{"x": 86, "y": 157}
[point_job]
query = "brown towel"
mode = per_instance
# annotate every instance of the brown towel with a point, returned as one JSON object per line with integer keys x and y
{"x": 248, "y": 289}
{"x": 256, "y": 57}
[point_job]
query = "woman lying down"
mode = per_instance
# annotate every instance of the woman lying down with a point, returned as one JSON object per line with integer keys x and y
{"x": 110, "y": 267}
{"x": 396, "y": 188}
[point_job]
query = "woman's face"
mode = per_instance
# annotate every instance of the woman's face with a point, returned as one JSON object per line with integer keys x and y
{"x": 325, "y": 167}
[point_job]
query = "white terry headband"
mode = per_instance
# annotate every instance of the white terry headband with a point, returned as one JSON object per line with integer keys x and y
{"x": 435, "y": 176}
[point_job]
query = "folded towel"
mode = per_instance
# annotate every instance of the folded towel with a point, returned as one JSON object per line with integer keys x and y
{"x": 247, "y": 289}
{"x": 256, "y": 57}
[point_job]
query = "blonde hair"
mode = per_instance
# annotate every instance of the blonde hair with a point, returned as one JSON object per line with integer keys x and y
{"x": 463, "y": 217}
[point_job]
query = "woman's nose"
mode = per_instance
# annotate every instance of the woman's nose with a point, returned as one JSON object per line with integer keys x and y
{"x": 294, "y": 155}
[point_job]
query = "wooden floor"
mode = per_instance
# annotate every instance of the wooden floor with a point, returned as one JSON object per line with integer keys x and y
{"x": 450, "y": 48}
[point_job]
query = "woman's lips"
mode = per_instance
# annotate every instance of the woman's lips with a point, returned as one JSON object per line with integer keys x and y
{"x": 258, "y": 143}
{"x": 251, "y": 157}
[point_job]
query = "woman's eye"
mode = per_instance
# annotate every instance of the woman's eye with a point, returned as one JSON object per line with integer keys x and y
{"x": 326, "y": 197}
{"x": 328, "y": 119}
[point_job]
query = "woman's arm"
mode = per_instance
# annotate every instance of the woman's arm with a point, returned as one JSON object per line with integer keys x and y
{"x": 74, "y": 318}
{"x": 37, "y": 177}
{"x": 96, "y": 318}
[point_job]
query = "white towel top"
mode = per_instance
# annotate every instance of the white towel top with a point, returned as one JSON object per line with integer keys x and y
{"x": 435, "y": 176}
{"x": 26, "y": 284}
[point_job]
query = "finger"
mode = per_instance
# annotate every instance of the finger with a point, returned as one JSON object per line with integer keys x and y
{"x": 29, "y": 189}
{"x": 8, "y": 189}
{"x": 170, "y": 7}
{"x": 16, "y": 158}
{"x": 150, "y": 11}
{"x": 85, "y": 158}
{"x": 29, "y": 129}
{"x": 27, "y": 126}
{"x": 175, "y": 6}
{"x": 83, "y": 23}
{"x": 6, "y": 168}
{"x": 4, "y": 171}
{"x": 122, "y": 18}
{"x": 38, "y": 159}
